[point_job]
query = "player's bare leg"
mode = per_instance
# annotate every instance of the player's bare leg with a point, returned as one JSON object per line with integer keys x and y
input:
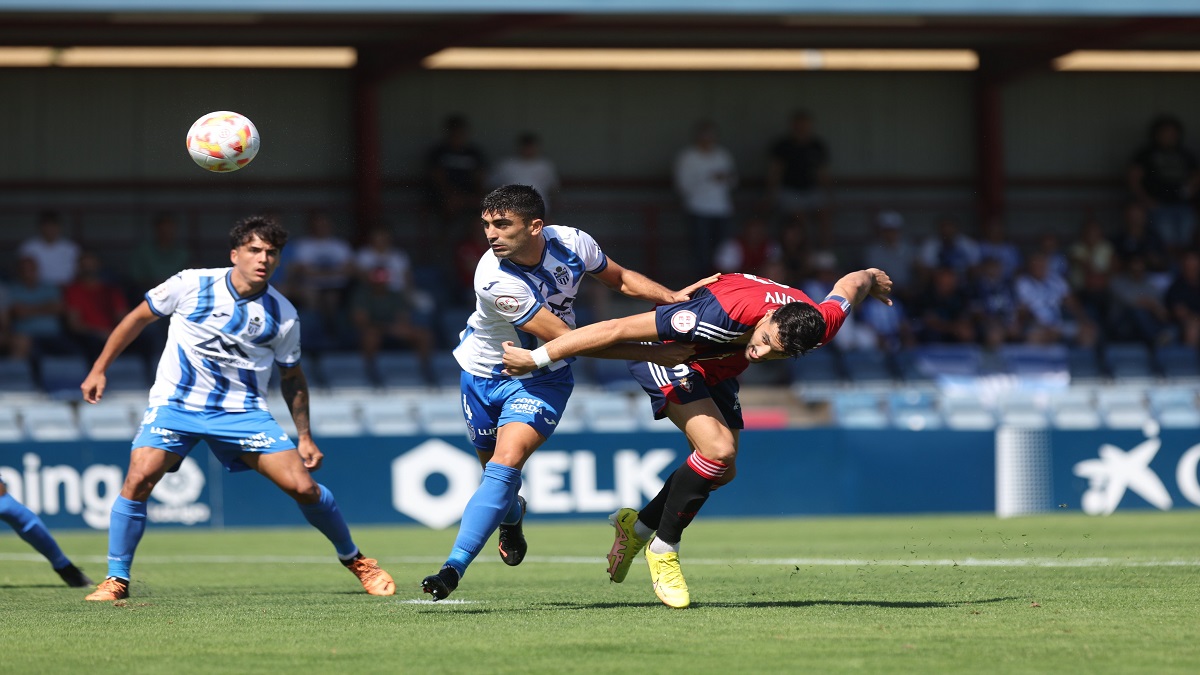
{"x": 287, "y": 470}
{"x": 685, "y": 492}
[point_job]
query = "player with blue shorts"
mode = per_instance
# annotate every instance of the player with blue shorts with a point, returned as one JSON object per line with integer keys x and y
{"x": 525, "y": 288}
{"x": 31, "y": 528}
{"x": 229, "y": 328}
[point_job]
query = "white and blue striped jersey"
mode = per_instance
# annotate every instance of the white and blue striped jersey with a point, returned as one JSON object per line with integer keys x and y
{"x": 507, "y": 295}
{"x": 220, "y": 346}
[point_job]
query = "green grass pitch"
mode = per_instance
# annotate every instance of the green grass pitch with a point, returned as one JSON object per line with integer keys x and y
{"x": 1052, "y": 594}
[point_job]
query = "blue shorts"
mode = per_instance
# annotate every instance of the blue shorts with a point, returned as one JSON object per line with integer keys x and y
{"x": 229, "y": 435}
{"x": 490, "y": 403}
{"x": 681, "y": 385}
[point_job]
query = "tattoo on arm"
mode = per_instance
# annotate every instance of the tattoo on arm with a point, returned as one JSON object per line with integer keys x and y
{"x": 294, "y": 386}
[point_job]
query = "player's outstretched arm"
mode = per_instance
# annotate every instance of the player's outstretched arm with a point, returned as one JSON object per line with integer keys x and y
{"x": 637, "y": 285}
{"x": 294, "y": 387}
{"x": 130, "y": 327}
{"x": 586, "y": 340}
{"x": 858, "y": 286}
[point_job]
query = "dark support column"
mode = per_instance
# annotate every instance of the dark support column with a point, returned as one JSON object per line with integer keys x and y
{"x": 989, "y": 145}
{"x": 368, "y": 165}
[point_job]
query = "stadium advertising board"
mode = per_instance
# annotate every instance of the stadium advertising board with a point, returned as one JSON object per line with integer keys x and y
{"x": 428, "y": 480}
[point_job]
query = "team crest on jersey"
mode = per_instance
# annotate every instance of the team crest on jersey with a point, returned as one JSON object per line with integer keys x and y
{"x": 254, "y": 327}
{"x": 686, "y": 384}
{"x": 507, "y": 303}
{"x": 562, "y": 275}
{"x": 683, "y": 321}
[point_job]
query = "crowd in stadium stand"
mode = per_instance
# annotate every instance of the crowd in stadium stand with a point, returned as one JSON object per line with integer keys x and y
{"x": 1139, "y": 284}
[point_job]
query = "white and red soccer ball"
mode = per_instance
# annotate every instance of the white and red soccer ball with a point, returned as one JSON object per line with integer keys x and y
{"x": 223, "y": 141}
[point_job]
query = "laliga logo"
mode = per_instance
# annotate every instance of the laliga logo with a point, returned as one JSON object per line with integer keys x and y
{"x": 1118, "y": 471}
{"x": 178, "y": 492}
{"x": 555, "y": 481}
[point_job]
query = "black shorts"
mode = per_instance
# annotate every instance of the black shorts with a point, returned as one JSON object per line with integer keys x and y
{"x": 681, "y": 384}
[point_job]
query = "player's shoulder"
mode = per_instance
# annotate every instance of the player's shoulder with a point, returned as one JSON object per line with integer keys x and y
{"x": 566, "y": 234}
{"x": 193, "y": 276}
{"x": 492, "y": 277}
{"x": 286, "y": 309}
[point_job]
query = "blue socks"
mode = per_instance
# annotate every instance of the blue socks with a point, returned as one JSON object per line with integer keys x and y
{"x": 493, "y": 502}
{"x": 325, "y": 516}
{"x": 30, "y": 528}
{"x": 125, "y": 528}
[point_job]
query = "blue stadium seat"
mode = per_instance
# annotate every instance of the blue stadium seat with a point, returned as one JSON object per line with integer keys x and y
{"x": 16, "y": 376}
{"x": 50, "y": 421}
{"x": 817, "y": 366}
{"x": 613, "y": 375}
{"x": 868, "y": 366}
{"x": 446, "y": 369}
{"x": 1082, "y": 364}
{"x": 127, "y": 373}
{"x": 1034, "y": 359}
{"x": 62, "y": 375}
{"x": 915, "y": 410}
{"x": 1178, "y": 361}
{"x": 399, "y": 369}
{"x": 344, "y": 369}
{"x": 1128, "y": 361}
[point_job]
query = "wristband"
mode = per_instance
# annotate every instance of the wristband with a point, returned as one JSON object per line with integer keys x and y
{"x": 540, "y": 358}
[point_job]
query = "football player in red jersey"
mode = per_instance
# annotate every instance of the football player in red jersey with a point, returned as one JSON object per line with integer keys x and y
{"x": 738, "y": 320}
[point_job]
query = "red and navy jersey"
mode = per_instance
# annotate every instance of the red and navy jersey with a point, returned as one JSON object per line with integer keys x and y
{"x": 727, "y": 309}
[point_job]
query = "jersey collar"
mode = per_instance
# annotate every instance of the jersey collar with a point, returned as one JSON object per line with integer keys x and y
{"x": 234, "y": 293}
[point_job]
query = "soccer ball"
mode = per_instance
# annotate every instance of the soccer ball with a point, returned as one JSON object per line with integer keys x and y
{"x": 222, "y": 141}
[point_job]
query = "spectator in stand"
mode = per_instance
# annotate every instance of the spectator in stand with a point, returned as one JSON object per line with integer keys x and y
{"x": 996, "y": 245}
{"x": 795, "y": 255}
{"x": 1137, "y": 239}
{"x": 36, "y": 312}
{"x": 382, "y": 318}
{"x": 994, "y": 304}
{"x": 1096, "y": 301}
{"x": 705, "y": 176}
{"x": 892, "y": 252}
{"x": 56, "y": 256}
{"x": 1183, "y": 300}
{"x": 1142, "y": 316}
{"x": 456, "y": 168}
{"x": 1051, "y": 247}
{"x": 944, "y": 311}
{"x": 949, "y": 249}
{"x": 160, "y": 257}
{"x": 749, "y": 252}
{"x": 323, "y": 264}
{"x": 469, "y": 248}
{"x": 1091, "y": 254}
{"x": 93, "y": 306}
{"x": 1164, "y": 177}
{"x": 798, "y": 182}
{"x": 1044, "y": 301}
{"x": 529, "y": 167}
{"x": 381, "y": 253}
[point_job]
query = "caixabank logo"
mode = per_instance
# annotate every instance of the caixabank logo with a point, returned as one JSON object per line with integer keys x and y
{"x": 432, "y": 482}
{"x": 1116, "y": 474}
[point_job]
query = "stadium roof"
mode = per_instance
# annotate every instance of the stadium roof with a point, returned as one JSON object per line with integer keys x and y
{"x": 676, "y": 7}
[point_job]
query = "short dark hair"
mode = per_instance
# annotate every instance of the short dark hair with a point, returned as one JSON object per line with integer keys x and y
{"x": 516, "y": 200}
{"x": 800, "y": 327}
{"x": 264, "y": 227}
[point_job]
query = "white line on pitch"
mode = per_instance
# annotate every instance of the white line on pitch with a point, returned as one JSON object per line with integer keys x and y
{"x": 584, "y": 560}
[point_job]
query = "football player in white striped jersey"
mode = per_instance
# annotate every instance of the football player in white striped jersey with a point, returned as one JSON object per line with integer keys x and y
{"x": 228, "y": 329}
{"x": 525, "y": 289}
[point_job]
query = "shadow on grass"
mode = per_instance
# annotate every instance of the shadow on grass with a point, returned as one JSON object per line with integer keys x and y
{"x": 30, "y": 586}
{"x": 886, "y": 604}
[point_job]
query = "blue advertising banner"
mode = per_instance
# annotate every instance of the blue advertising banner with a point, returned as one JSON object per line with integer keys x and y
{"x": 1101, "y": 471}
{"x": 429, "y": 480}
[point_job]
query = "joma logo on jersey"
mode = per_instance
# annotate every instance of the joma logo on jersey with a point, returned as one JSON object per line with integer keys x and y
{"x": 216, "y": 344}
